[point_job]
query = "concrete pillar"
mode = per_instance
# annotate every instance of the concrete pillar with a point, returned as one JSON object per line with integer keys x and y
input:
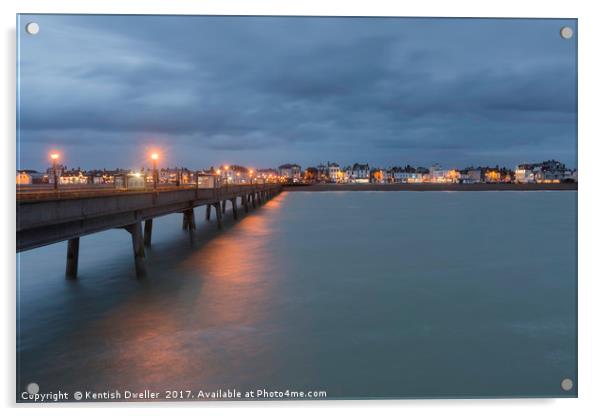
{"x": 188, "y": 221}
{"x": 208, "y": 212}
{"x": 138, "y": 245}
{"x": 245, "y": 202}
{"x": 72, "y": 258}
{"x": 224, "y": 206}
{"x": 218, "y": 214}
{"x": 234, "y": 208}
{"x": 148, "y": 232}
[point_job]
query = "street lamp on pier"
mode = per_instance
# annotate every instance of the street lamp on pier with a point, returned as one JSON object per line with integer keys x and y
{"x": 54, "y": 157}
{"x": 155, "y": 157}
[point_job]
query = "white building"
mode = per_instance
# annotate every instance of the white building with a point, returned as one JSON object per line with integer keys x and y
{"x": 360, "y": 173}
{"x": 406, "y": 177}
{"x": 525, "y": 173}
{"x": 437, "y": 174}
{"x": 290, "y": 171}
{"x": 73, "y": 177}
{"x": 334, "y": 172}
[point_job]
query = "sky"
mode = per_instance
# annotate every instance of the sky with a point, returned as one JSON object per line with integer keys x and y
{"x": 105, "y": 91}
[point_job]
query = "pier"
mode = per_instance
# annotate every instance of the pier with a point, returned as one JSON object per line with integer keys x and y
{"x": 50, "y": 217}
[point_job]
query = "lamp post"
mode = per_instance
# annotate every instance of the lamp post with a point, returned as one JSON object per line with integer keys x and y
{"x": 54, "y": 157}
{"x": 155, "y": 157}
{"x": 226, "y": 173}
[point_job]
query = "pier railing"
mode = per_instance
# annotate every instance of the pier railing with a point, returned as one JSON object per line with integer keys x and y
{"x": 50, "y": 217}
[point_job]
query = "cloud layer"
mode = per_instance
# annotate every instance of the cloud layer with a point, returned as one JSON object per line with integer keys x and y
{"x": 262, "y": 91}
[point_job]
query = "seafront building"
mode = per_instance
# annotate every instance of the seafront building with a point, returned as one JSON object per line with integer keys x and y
{"x": 29, "y": 177}
{"x": 290, "y": 172}
{"x": 550, "y": 171}
{"x": 73, "y": 177}
{"x": 359, "y": 173}
{"x": 335, "y": 174}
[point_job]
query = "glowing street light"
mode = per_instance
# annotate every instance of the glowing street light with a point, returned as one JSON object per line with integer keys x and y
{"x": 54, "y": 157}
{"x": 155, "y": 157}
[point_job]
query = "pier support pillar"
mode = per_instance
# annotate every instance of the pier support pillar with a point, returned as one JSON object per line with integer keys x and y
{"x": 138, "y": 245}
{"x": 188, "y": 221}
{"x": 245, "y": 202}
{"x": 224, "y": 206}
{"x": 72, "y": 258}
{"x": 234, "y": 208}
{"x": 148, "y": 232}
{"x": 253, "y": 201}
{"x": 218, "y": 214}
{"x": 208, "y": 212}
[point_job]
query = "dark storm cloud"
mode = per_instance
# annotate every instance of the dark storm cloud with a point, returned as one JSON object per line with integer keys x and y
{"x": 265, "y": 90}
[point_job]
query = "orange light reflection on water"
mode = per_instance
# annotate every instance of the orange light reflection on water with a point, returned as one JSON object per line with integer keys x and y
{"x": 202, "y": 319}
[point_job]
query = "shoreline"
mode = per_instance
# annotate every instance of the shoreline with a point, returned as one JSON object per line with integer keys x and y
{"x": 433, "y": 187}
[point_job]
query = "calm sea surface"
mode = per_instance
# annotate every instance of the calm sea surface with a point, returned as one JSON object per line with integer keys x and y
{"x": 359, "y": 294}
